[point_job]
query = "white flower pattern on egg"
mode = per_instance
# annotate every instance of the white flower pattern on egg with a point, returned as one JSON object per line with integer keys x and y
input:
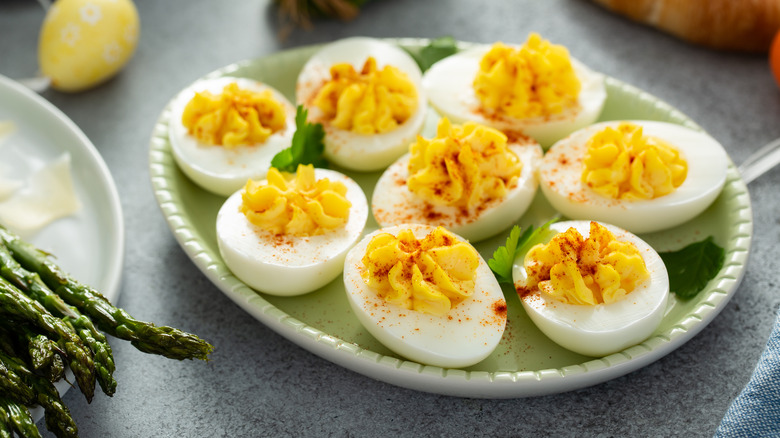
{"x": 90, "y": 13}
{"x": 70, "y": 34}
{"x": 131, "y": 33}
{"x": 112, "y": 52}
{"x": 75, "y": 59}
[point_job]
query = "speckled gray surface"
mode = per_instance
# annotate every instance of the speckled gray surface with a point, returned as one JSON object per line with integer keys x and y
{"x": 258, "y": 383}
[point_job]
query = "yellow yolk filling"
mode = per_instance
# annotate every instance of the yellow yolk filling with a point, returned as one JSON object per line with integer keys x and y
{"x": 367, "y": 102}
{"x": 534, "y": 80}
{"x": 429, "y": 275}
{"x": 296, "y": 205}
{"x": 462, "y": 166}
{"x": 596, "y": 270}
{"x": 622, "y": 163}
{"x": 233, "y": 118}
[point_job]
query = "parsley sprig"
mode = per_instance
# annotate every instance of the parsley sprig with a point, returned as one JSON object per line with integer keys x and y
{"x": 306, "y": 147}
{"x": 517, "y": 243}
{"x": 689, "y": 268}
{"x": 438, "y": 49}
{"x": 692, "y": 267}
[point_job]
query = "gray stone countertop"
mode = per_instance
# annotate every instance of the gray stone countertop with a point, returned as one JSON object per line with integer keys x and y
{"x": 260, "y": 384}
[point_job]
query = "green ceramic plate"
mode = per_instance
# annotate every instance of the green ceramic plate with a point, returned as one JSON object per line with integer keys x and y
{"x": 526, "y": 363}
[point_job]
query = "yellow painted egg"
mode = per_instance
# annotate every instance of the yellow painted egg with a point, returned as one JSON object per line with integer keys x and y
{"x": 85, "y": 42}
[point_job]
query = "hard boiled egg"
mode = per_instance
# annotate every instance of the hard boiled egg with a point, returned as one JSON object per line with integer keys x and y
{"x": 286, "y": 264}
{"x": 394, "y": 203}
{"x": 462, "y": 336}
{"x": 219, "y": 169}
{"x": 560, "y": 175}
{"x": 372, "y": 105}
{"x": 449, "y": 84}
{"x": 604, "y": 328}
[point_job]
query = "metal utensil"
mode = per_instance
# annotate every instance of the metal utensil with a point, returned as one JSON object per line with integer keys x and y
{"x": 760, "y": 161}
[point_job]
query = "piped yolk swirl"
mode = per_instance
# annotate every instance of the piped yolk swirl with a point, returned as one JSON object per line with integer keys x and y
{"x": 462, "y": 166}
{"x": 234, "y": 117}
{"x": 367, "y": 102}
{"x": 429, "y": 275}
{"x": 622, "y": 163}
{"x": 297, "y": 205}
{"x": 596, "y": 270}
{"x": 535, "y": 80}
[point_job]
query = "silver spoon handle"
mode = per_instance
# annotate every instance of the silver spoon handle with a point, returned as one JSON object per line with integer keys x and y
{"x": 760, "y": 161}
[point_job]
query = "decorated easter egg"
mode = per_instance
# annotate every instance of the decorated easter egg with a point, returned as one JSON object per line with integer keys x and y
{"x": 85, "y": 42}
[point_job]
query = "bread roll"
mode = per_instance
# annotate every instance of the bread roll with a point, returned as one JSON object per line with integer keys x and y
{"x": 740, "y": 25}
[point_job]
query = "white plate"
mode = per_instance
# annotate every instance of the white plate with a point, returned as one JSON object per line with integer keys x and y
{"x": 90, "y": 243}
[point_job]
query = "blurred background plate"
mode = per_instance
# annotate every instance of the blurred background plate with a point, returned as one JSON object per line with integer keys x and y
{"x": 90, "y": 243}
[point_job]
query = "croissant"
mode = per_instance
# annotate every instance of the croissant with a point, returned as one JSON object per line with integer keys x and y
{"x": 739, "y": 25}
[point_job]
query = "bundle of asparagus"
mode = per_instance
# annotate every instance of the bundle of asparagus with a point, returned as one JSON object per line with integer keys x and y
{"x": 49, "y": 320}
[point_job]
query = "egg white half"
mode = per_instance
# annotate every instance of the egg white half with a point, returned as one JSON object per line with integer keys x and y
{"x": 215, "y": 168}
{"x": 346, "y": 148}
{"x": 466, "y": 335}
{"x": 392, "y": 202}
{"x": 449, "y": 85}
{"x": 604, "y": 328}
{"x": 288, "y": 265}
{"x": 561, "y": 170}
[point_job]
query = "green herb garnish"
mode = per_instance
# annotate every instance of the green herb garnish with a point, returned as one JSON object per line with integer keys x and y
{"x": 306, "y": 147}
{"x": 691, "y": 268}
{"x": 516, "y": 243}
{"x": 438, "y": 49}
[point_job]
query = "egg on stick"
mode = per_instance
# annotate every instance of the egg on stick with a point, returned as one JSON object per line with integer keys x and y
{"x": 83, "y": 43}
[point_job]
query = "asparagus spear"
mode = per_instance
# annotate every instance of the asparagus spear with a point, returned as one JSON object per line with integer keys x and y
{"x": 57, "y": 415}
{"x": 16, "y": 305}
{"x": 43, "y": 354}
{"x": 41, "y": 349}
{"x": 7, "y": 339}
{"x": 19, "y": 418}
{"x": 13, "y": 385}
{"x": 166, "y": 341}
{"x": 31, "y": 284}
{"x": 102, "y": 355}
{"x": 5, "y": 424}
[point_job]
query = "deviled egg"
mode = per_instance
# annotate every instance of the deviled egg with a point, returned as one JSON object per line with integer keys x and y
{"x": 593, "y": 288}
{"x": 643, "y": 176}
{"x": 536, "y": 89}
{"x": 368, "y": 96}
{"x": 426, "y": 294}
{"x": 471, "y": 179}
{"x": 289, "y": 234}
{"x": 226, "y": 130}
